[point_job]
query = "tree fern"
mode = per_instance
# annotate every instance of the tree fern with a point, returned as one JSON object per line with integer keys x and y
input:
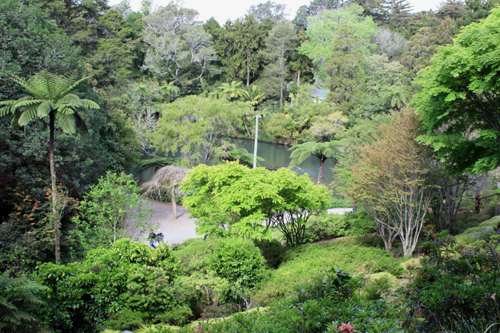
{"x": 49, "y": 95}
{"x": 18, "y": 298}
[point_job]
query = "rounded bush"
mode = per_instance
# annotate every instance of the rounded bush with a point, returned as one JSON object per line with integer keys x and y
{"x": 239, "y": 261}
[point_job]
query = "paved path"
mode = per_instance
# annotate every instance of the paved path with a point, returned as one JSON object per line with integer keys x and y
{"x": 183, "y": 228}
{"x": 174, "y": 230}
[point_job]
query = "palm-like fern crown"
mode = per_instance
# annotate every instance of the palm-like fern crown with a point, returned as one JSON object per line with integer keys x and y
{"x": 322, "y": 150}
{"x": 48, "y": 93}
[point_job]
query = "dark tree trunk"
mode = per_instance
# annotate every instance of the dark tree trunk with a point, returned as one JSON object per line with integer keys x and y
{"x": 320, "y": 174}
{"x": 54, "y": 189}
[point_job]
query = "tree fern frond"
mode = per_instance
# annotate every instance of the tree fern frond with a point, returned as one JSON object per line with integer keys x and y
{"x": 76, "y": 83}
{"x": 71, "y": 100}
{"x": 25, "y": 103}
{"x": 28, "y": 115}
{"x": 65, "y": 109}
{"x": 67, "y": 122}
{"x": 90, "y": 104}
{"x": 6, "y": 110}
{"x": 44, "y": 108}
{"x": 80, "y": 124}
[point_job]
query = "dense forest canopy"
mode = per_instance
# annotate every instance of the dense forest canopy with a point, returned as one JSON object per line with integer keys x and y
{"x": 403, "y": 102}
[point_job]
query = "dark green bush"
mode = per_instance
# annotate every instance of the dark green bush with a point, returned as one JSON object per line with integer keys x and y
{"x": 332, "y": 284}
{"x": 330, "y": 226}
{"x": 129, "y": 276}
{"x": 456, "y": 290}
{"x": 272, "y": 250}
{"x": 360, "y": 223}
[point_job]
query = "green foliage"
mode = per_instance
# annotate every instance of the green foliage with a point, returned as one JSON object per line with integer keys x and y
{"x": 239, "y": 261}
{"x": 326, "y": 227}
{"x": 482, "y": 232}
{"x": 177, "y": 47}
{"x": 194, "y": 126}
{"x": 231, "y": 198}
{"x": 188, "y": 254}
{"x": 321, "y": 34}
{"x": 279, "y": 44}
{"x": 332, "y": 284}
{"x": 237, "y": 46}
{"x": 455, "y": 290}
{"x": 106, "y": 209}
{"x": 302, "y": 262}
{"x": 462, "y": 80}
{"x": 321, "y": 305}
{"x": 336, "y": 202}
{"x": 322, "y": 150}
{"x": 18, "y": 299}
{"x": 346, "y": 70}
{"x": 49, "y": 95}
{"x": 118, "y": 51}
{"x": 272, "y": 250}
{"x": 132, "y": 276}
{"x": 334, "y": 225}
{"x": 30, "y": 41}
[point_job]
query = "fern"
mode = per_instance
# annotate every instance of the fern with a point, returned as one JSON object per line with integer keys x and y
{"x": 18, "y": 297}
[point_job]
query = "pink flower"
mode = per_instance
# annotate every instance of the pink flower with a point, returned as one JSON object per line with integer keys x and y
{"x": 347, "y": 328}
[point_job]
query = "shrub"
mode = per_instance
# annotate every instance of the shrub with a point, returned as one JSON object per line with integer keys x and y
{"x": 455, "y": 290}
{"x": 129, "y": 276}
{"x": 272, "y": 250}
{"x": 483, "y": 231}
{"x": 360, "y": 223}
{"x": 308, "y": 260}
{"x": 18, "y": 299}
{"x": 326, "y": 227}
{"x": 193, "y": 254}
{"x": 323, "y": 304}
{"x": 239, "y": 261}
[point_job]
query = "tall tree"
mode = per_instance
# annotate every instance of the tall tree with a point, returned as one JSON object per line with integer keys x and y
{"x": 50, "y": 95}
{"x": 238, "y": 46}
{"x": 194, "y": 126}
{"x": 321, "y": 35}
{"x": 459, "y": 101}
{"x": 346, "y": 70}
{"x": 390, "y": 181}
{"x": 80, "y": 19}
{"x": 424, "y": 44}
{"x": 118, "y": 55}
{"x": 279, "y": 44}
{"x": 177, "y": 46}
{"x": 268, "y": 10}
{"x": 29, "y": 42}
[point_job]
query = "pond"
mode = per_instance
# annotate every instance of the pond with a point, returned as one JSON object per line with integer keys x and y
{"x": 276, "y": 155}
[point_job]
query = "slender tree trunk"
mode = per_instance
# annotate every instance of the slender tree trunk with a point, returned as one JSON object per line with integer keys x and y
{"x": 248, "y": 70}
{"x": 321, "y": 167}
{"x": 54, "y": 189}
{"x": 174, "y": 202}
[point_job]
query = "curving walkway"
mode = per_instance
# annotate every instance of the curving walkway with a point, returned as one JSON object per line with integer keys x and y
{"x": 183, "y": 228}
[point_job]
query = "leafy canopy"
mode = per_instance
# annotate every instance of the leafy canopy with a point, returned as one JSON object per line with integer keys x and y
{"x": 459, "y": 98}
{"x": 231, "y": 198}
